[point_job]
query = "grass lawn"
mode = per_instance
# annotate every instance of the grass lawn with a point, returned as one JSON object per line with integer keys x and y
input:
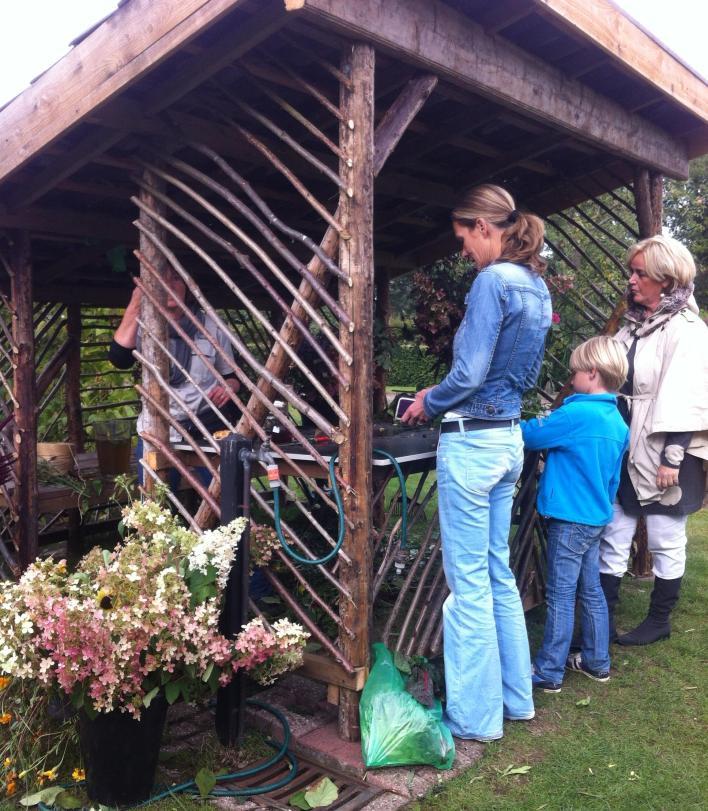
{"x": 638, "y": 742}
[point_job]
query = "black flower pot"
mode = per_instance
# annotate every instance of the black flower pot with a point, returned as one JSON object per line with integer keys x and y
{"x": 120, "y": 754}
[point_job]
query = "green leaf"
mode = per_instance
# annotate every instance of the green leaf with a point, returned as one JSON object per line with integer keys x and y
{"x": 213, "y": 682}
{"x": 106, "y": 557}
{"x": 401, "y": 662}
{"x": 207, "y": 673}
{"x": 205, "y": 780}
{"x": 147, "y": 699}
{"x": 272, "y": 600}
{"x": 322, "y": 794}
{"x": 515, "y": 770}
{"x": 298, "y": 800}
{"x": 584, "y": 702}
{"x": 46, "y": 795}
{"x": 66, "y": 800}
{"x": 172, "y": 690}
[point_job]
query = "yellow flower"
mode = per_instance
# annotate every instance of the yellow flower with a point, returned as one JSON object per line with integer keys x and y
{"x": 104, "y": 599}
{"x": 78, "y": 775}
{"x": 8, "y": 762}
{"x": 49, "y": 774}
{"x": 5, "y": 718}
{"x": 4, "y": 682}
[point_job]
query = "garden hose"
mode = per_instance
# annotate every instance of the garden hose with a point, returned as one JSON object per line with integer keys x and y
{"x": 190, "y": 787}
{"x": 340, "y": 512}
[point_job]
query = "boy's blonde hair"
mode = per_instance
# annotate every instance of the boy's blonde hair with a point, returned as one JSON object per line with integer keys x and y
{"x": 606, "y": 356}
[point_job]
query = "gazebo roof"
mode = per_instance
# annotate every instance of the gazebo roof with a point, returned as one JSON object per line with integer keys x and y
{"x": 558, "y": 99}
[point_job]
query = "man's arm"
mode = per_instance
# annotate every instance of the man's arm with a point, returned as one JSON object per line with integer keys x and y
{"x": 120, "y": 352}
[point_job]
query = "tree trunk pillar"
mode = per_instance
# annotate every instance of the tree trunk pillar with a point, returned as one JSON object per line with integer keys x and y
{"x": 25, "y": 391}
{"x": 648, "y": 197}
{"x": 356, "y": 257}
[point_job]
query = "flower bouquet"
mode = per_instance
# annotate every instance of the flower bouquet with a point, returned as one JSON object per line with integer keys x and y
{"x": 131, "y": 631}
{"x": 140, "y": 620}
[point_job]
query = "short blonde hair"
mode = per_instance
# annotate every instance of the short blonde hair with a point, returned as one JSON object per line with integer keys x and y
{"x": 522, "y": 240}
{"x": 606, "y": 356}
{"x": 666, "y": 259}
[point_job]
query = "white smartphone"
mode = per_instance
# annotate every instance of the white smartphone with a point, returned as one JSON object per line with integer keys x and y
{"x": 402, "y": 406}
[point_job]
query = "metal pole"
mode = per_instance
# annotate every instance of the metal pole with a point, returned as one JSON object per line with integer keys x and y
{"x": 235, "y": 470}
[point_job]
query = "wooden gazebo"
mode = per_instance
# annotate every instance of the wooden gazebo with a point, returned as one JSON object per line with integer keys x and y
{"x": 288, "y": 158}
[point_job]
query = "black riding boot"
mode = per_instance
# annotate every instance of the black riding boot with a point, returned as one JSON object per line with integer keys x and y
{"x": 611, "y": 588}
{"x": 656, "y": 626}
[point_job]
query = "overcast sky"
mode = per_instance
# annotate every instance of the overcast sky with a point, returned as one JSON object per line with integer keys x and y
{"x": 35, "y": 33}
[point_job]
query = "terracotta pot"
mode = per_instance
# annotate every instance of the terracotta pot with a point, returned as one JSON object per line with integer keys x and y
{"x": 59, "y": 455}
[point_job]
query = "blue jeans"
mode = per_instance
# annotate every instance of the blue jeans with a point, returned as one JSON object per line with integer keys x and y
{"x": 487, "y": 661}
{"x": 573, "y": 568}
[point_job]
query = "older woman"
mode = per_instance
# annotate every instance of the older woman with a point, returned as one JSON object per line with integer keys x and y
{"x": 666, "y": 407}
{"x": 497, "y": 356}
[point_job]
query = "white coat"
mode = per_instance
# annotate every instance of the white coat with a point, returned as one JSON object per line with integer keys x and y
{"x": 670, "y": 391}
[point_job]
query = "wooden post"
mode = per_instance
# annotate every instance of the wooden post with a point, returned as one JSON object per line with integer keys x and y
{"x": 356, "y": 258}
{"x": 155, "y": 332}
{"x": 648, "y": 193}
{"x": 24, "y": 389}
{"x": 383, "y": 314}
{"x": 74, "y": 421}
{"x": 75, "y": 429}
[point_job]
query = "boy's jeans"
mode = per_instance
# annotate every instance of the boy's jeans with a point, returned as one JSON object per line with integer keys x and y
{"x": 573, "y": 567}
{"x": 487, "y": 661}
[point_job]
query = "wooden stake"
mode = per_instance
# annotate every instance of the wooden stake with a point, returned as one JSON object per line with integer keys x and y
{"x": 25, "y": 393}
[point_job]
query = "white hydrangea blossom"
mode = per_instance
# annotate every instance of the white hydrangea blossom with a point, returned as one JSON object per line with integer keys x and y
{"x": 218, "y": 548}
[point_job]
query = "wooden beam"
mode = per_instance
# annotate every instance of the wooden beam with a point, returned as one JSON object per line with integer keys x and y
{"x": 611, "y": 29}
{"x": 356, "y": 258}
{"x": 322, "y": 668}
{"x": 199, "y": 68}
{"x": 133, "y": 40}
{"x": 71, "y": 223}
{"x": 25, "y": 393}
{"x": 501, "y": 15}
{"x": 437, "y": 38}
{"x": 399, "y": 115}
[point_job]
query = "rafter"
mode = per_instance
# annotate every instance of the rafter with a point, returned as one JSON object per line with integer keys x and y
{"x": 433, "y": 35}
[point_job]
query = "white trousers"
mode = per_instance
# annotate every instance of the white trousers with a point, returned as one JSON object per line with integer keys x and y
{"x": 666, "y": 540}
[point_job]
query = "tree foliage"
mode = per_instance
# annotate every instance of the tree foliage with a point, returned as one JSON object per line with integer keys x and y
{"x": 686, "y": 216}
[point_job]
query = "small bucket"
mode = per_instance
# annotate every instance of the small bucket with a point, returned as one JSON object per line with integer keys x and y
{"x": 114, "y": 445}
{"x": 59, "y": 455}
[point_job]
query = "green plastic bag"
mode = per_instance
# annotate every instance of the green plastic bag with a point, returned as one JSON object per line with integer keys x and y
{"x": 395, "y": 729}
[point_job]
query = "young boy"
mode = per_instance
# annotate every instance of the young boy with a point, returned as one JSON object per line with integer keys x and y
{"x": 586, "y": 440}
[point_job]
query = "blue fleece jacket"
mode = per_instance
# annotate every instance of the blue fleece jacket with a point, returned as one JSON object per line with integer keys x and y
{"x": 586, "y": 439}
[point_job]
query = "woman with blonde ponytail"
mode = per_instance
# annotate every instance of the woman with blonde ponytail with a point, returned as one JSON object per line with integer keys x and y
{"x": 497, "y": 355}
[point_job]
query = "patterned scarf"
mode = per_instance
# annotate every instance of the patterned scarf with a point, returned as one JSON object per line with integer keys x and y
{"x": 669, "y": 305}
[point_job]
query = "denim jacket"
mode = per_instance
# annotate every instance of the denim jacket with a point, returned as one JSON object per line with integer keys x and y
{"x": 499, "y": 346}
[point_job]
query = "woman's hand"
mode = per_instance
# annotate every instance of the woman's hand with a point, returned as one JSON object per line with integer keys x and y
{"x": 666, "y": 477}
{"x": 415, "y": 413}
